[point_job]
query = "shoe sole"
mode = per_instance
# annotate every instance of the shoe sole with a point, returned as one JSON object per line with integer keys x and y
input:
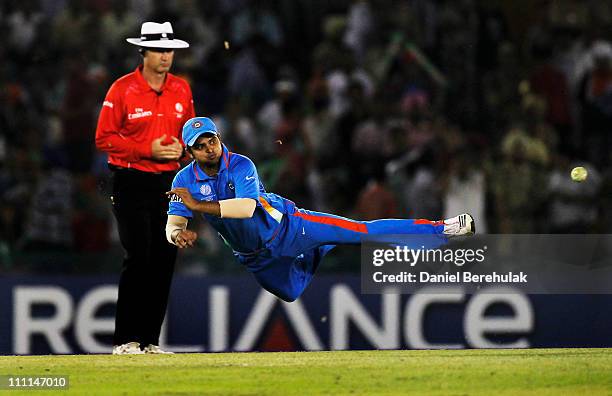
{"x": 472, "y": 225}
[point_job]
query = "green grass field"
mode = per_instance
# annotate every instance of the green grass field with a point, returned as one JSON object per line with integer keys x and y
{"x": 458, "y": 372}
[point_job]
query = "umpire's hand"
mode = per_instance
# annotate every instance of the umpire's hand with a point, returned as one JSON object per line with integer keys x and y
{"x": 166, "y": 152}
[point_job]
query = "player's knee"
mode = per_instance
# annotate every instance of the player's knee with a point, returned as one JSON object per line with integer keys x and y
{"x": 288, "y": 292}
{"x": 288, "y": 295}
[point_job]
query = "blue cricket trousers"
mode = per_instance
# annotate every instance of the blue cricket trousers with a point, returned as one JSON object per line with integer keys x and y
{"x": 287, "y": 264}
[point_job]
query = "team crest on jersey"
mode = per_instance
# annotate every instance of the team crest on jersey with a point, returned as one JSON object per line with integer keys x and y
{"x": 205, "y": 190}
{"x": 178, "y": 107}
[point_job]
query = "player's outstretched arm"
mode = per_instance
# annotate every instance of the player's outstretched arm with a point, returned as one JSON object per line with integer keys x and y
{"x": 235, "y": 208}
{"x": 208, "y": 207}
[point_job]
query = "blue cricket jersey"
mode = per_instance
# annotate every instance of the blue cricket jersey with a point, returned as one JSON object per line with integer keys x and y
{"x": 237, "y": 178}
{"x": 282, "y": 245}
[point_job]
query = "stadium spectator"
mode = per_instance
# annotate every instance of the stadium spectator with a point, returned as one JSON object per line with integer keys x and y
{"x": 76, "y": 115}
{"x": 595, "y": 98}
{"x": 247, "y": 79}
{"x": 72, "y": 28}
{"x": 271, "y": 113}
{"x": 360, "y": 23}
{"x": 376, "y": 200}
{"x": 465, "y": 187}
{"x": 256, "y": 19}
{"x": 550, "y": 83}
{"x": 517, "y": 188}
{"x": 332, "y": 54}
{"x": 48, "y": 227}
{"x": 423, "y": 191}
{"x": 24, "y": 26}
{"x": 115, "y": 24}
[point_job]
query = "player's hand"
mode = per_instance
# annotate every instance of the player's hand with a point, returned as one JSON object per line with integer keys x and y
{"x": 166, "y": 152}
{"x": 185, "y": 196}
{"x": 185, "y": 238}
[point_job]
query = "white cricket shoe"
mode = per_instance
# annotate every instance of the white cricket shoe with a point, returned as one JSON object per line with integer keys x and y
{"x": 459, "y": 225}
{"x": 129, "y": 348}
{"x": 156, "y": 350}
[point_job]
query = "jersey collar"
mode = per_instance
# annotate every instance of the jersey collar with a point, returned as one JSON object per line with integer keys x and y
{"x": 144, "y": 84}
{"x": 200, "y": 175}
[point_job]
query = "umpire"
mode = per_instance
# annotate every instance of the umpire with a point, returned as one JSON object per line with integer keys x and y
{"x": 140, "y": 129}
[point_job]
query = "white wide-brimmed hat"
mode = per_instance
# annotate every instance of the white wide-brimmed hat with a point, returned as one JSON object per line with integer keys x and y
{"x": 157, "y": 35}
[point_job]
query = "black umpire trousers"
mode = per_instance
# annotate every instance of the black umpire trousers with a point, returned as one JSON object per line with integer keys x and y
{"x": 140, "y": 206}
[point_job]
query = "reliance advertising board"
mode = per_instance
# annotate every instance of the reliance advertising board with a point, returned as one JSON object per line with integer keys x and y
{"x": 66, "y": 315}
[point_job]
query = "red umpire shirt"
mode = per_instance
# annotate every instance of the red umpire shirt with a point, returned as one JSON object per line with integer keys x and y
{"x": 133, "y": 115}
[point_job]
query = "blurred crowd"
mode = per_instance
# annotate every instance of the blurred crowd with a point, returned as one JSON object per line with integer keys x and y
{"x": 368, "y": 109}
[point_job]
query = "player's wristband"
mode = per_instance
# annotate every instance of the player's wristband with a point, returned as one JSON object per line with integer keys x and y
{"x": 175, "y": 225}
{"x": 174, "y": 235}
